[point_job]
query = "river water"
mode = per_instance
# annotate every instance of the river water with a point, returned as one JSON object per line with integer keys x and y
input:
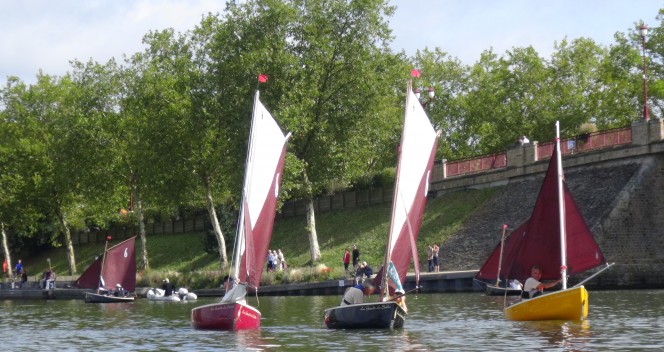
{"x": 618, "y": 320}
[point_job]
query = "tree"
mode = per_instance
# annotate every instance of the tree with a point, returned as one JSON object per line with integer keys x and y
{"x": 344, "y": 104}
{"x": 450, "y": 80}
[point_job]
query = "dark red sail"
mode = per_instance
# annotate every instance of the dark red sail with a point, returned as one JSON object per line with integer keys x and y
{"x": 120, "y": 266}
{"x": 90, "y": 277}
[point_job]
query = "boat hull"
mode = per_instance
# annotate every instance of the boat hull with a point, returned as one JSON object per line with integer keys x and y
{"x": 569, "y": 304}
{"x": 375, "y": 315}
{"x": 225, "y": 316}
{"x": 491, "y": 290}
{"x": 99, "y": 298}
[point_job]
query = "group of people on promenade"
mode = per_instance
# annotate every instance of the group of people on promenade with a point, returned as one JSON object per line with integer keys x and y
{"x": 20, "y": 273}
{"x": 360, "y": 268}
{"x": 276, "y": 260}
{"x": 20, "y": 276}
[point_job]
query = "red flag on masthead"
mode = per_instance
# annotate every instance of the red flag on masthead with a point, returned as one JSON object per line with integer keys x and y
{"x": 415, "y": 73}
{"x": 262, "y": 78}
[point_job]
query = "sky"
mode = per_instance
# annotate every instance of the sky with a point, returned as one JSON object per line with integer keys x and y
{"x": 46, "y": 34}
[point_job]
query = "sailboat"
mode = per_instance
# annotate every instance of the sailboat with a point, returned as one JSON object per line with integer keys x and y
{"x": 557, "y": 239}
{"x": 492, "y": 268}
{"x": 416, "y": 155}
{"x": 117, "y": 266}
{"x": 265, "y": 161}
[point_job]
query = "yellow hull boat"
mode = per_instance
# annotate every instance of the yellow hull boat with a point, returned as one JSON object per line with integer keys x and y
{"x": 569, "y": 304}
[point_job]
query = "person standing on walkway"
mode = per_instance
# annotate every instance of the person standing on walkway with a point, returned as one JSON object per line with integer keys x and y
{"x": 19, "y": 269}
{"x": 430, "y": 258}
{"x": 282, "y": 260}
{"x": 346, "y": 259}
{"x": 436, "y": 250}
{"x": 356, "y": 256}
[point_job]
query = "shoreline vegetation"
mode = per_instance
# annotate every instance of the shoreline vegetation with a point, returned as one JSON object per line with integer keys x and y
{"x": 182, "y": 258}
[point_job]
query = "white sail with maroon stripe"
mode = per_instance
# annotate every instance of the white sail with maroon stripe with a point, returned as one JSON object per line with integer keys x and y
{"x": 265, "y": 162}
{"x": 416, "y": 155}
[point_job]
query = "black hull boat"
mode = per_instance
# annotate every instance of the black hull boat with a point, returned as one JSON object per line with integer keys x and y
{"x": 375, "y": 315}
{"x": 493, "y": 290}
{"x": 100, "y": 298}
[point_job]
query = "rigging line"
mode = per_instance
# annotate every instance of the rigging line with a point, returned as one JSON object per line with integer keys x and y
{"x": 593, "y": 275}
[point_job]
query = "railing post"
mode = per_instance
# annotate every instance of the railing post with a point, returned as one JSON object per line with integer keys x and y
{"x": 640, "y": 132}
{"x": 530, "y": 153}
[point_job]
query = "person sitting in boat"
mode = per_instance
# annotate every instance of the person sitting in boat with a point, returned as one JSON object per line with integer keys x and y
{"x": 355, "y": 294}
{"x": 119, "y": 291}
{"x": 228, "y": 282}
{"x": 167, "y": 286}
{"x": 533, "y": 286}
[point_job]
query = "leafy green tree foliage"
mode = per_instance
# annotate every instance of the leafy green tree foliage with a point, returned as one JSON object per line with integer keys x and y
{"x": 343, "y": 107}
{"x": 449, "y": 79}
{"x": 154, "y": 108}
{"x": 58, "y": 120}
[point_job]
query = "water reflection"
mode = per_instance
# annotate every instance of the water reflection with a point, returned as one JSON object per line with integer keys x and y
{"x": 570, "y": 335}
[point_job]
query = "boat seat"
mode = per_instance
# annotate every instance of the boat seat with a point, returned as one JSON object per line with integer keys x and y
{"x": 524, "y": 294}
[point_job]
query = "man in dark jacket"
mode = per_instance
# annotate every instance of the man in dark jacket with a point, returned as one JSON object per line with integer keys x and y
{"x": 167, "y": 286}
{"x": 356, "y": 256}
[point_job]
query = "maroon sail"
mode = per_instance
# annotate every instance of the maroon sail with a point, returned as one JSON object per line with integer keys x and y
{"x": 120, "y": 266}
{"x": 90, "y": 277}
{"x": 537, "y": 241}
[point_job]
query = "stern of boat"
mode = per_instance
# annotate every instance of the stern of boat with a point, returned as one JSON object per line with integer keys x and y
{"x": 225, "y": 316}
{"x": 377, "y": 315}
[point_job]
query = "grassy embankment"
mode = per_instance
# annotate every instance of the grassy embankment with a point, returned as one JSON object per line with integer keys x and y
{"x": 181, "y": 256}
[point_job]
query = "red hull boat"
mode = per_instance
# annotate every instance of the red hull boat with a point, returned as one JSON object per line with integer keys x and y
{"x": 226, "y": 316}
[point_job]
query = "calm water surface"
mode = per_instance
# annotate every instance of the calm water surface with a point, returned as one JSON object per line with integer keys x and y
{"x": 618, "y": 320}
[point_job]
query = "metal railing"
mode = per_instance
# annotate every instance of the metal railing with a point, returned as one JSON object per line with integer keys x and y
{"x": 475, "y": 164}
{"x": 578, "y": 144}
{"x": 587, "y": 142}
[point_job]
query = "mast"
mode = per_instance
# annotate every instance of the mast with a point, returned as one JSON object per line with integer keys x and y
{"x": 561, "y": 212}
{"x": 103, "y": 262}
{"x": 500, "y": 260}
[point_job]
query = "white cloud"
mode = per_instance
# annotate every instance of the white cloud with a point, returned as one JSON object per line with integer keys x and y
{"x": 43, "y": 34}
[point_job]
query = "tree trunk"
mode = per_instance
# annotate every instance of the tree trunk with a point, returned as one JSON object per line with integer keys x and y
{"x": 314, "y": 248}
{"x": 141, "y": 229}
{"x": 215, "y": 224}
{"x": 5, "y": 249}
{"x": 71, "y": 259}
